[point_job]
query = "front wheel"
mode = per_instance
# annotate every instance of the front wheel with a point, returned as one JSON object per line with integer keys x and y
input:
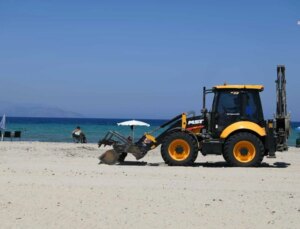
{"x": 180, "y": 149}
{"x": 244, "y": 150}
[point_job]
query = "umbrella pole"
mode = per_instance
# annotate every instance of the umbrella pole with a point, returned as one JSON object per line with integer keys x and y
{"x": 133, "y": 134}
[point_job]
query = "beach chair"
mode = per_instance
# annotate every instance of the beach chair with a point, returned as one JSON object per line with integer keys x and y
{"x": 7, "y": 134}
{"x": 17, "y": 134}
{"x": 12, "y": 134}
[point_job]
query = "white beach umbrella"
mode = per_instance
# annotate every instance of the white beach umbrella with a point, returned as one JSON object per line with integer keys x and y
{"x": 132, "y": 124}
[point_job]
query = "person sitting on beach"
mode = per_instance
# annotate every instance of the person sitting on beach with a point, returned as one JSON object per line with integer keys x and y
{"x": 78, "y": 135}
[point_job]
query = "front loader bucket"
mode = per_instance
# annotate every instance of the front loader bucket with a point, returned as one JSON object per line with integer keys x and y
{"x": 122, "y": 145}
{"x": 110, "y": 157}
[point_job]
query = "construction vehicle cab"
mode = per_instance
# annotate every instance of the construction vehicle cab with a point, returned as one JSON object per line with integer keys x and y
{"x": 234, "y": 103}
{"x": 236, "y": 114}
{"x": 234, "y": 128}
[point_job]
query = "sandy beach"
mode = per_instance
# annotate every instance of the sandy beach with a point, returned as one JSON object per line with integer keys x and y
{"x": 61, "y": 185}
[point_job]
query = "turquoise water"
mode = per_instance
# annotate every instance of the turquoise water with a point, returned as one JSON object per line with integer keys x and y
{"x": 294, "y": 134}
{"x": 60, "y": 129}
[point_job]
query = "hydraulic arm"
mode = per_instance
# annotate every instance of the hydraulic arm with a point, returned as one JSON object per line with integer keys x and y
{"x": 138, "y": 149}
{"x": 282, "y": 118}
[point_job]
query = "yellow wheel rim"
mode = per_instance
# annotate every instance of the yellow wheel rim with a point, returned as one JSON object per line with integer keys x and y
{"x": 179, "y": 150}
{"x": 244, "y": 151}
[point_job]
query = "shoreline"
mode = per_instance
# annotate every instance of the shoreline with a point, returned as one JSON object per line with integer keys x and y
{"x": 59, "y": 130}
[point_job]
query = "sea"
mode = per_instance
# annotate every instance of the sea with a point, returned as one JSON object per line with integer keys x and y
{"x": 60, "y": 129}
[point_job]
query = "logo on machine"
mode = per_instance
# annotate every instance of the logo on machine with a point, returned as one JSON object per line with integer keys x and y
{"x": 194, "y": 122}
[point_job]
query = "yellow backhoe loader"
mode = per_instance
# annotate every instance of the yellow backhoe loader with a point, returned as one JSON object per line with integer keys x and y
{"x": 234, "y": 128}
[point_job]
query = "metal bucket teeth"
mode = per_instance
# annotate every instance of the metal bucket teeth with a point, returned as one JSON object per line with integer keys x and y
{"x": 110, "y": 157}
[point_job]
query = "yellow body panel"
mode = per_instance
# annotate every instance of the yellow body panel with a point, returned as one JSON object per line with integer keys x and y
{"x": 253, "y": 87}
{"x": 183, "y": 121}
{"x": 150, "y": 137}
{"x": 243, "y": 125}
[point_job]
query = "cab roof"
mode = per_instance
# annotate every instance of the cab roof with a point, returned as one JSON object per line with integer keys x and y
{"x": 239, "y": 87}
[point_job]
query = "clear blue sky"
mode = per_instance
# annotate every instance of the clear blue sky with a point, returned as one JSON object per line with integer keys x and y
{"x": 144, "y": 59}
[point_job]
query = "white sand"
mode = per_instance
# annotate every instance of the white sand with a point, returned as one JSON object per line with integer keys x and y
{"x": 59, "y": 185}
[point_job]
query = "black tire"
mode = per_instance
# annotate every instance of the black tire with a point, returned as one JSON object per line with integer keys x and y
{"x": 243, "y": 150}
{"x": 179, "y": 149}
{"x": 122, "y": 157}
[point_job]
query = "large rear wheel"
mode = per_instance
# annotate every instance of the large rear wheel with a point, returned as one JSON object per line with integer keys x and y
{"x": 244, "y": 150}
{"x": 180, "y": 149}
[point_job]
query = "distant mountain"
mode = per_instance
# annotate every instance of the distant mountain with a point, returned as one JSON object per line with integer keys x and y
{"x": 30, "y": 110}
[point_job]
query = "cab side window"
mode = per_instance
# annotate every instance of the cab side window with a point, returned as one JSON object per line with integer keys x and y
{"x": 229, "y": 103}
{"x": 228, "y": 109}
{"x": 253, "y": 109}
